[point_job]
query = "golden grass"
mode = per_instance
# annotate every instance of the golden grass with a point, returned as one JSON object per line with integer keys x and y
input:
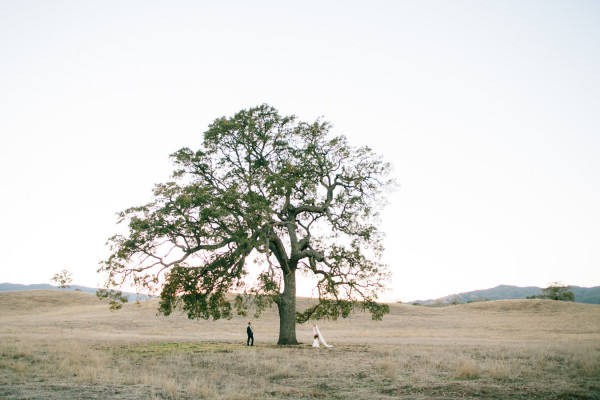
{"x": 57, "y": 345}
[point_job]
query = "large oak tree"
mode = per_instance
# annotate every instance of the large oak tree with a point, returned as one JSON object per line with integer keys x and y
{"x": 264, "y": 191}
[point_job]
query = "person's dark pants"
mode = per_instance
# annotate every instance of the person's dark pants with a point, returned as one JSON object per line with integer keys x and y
{"x": 250, "y": 338}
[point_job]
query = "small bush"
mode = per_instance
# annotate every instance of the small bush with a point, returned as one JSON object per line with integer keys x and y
{"x": 467, "y": 369}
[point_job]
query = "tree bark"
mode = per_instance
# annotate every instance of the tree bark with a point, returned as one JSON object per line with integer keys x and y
{"x": 287, "y": 310}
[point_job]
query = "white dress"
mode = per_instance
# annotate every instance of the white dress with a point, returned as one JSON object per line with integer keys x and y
{"x": 317, "y": 336}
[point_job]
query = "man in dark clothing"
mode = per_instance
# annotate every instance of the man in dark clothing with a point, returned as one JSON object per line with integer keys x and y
{"x": 250, "y": 335}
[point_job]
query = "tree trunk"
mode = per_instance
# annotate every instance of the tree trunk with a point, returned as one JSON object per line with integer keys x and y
{"x": 287, "y": 310}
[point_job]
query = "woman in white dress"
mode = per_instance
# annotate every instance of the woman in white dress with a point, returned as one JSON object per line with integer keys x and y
{"x": 317, "y": 336}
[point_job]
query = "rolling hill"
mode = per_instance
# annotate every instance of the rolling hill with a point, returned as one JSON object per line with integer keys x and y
{"x": 502, "y": 292}
{"x": 64, "y": 344}
{"x": 507, "y": 292}
{"x": 14, "y": 287}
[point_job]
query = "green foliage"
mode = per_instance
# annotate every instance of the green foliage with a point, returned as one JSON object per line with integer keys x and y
{"x": 264, "y": 188}
{"x": 181, "y": 288}
{"x": 116, "y": 298}
{"x": 63, "y": 279}
{"x": 556, "y": 291}
{"x": 480, "y": 300}
{"x": 333, "y": 309}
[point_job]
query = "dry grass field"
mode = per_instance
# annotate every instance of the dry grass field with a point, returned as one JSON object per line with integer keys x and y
{"x": 68, "y": 345}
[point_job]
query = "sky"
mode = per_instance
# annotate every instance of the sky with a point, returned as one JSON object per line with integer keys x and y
{"x": 488, "y": 112}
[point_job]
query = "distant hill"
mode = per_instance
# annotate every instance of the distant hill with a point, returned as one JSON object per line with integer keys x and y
{"x": 586, "y": 295}
{"x": 12, "y": 287}
{"x": 508, "y": 292}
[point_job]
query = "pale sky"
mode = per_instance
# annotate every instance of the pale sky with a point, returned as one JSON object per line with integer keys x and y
{"x": 488, "y": 110}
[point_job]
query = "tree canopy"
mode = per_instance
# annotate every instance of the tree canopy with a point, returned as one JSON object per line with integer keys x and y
{"x": 63, "y": 279}
{"x": 556, "y": 291}
{"x": 264, "y": 191}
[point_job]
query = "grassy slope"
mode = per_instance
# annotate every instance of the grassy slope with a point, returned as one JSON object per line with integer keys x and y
{"x": 68, "y": 344}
